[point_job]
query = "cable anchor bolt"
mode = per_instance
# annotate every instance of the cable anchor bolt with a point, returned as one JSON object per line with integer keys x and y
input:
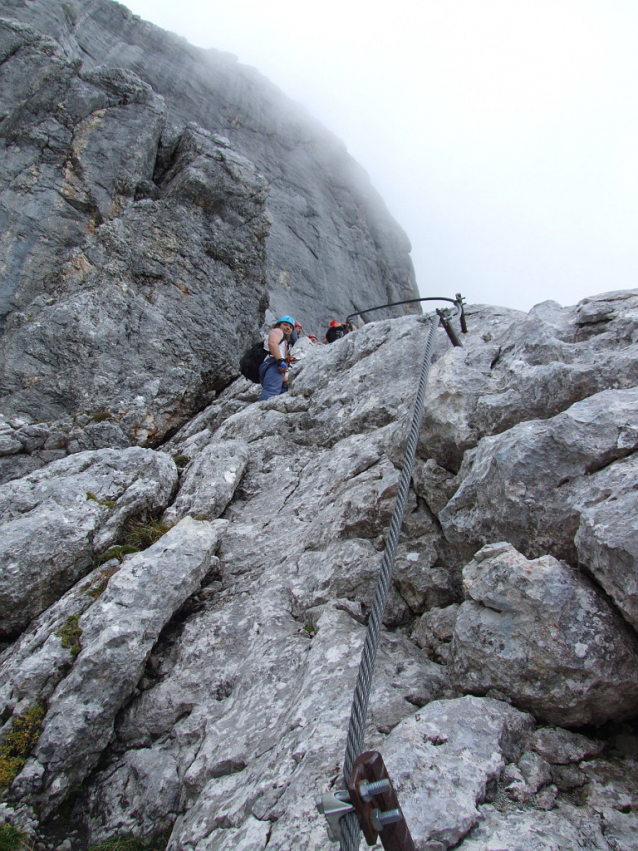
{"x": 334, "y": 805}
{"x": 376, "y": 804}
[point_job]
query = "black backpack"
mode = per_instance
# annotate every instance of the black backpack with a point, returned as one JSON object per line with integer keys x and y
{"x": 335, "y": 333}
{"x": 251, "y": 360}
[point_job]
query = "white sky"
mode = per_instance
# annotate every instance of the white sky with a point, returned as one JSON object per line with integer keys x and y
{"x": 502, "y": 134}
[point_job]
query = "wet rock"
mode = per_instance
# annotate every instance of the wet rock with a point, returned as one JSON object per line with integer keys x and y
{"x": 543, "y": 635}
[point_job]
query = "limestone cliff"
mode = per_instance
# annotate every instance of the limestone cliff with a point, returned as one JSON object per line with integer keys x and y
{"x": 154, "y": 199}
{"x": 332, "y": 245}
{"x": 186, "y": 574}
{"x": 199, "y": 689}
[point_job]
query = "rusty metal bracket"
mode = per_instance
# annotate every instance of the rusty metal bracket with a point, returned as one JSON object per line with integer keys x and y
{"x": 461, "y": 302}
{"x": 445, "y": 322}
{"x": 376, "y": 804}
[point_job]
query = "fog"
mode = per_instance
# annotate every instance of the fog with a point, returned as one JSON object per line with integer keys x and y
{"x": 502, "y": 134}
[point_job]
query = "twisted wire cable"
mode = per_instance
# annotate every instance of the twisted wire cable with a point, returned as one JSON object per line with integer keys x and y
{"x": 350, "y": 830}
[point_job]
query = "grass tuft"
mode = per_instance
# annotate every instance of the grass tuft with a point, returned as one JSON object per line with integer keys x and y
{"x": 122, "y": 843}
{"x": 143, "y": 535}
{"x": 99, "y": 589}
{"x": 110, "y": 503}
{"x": 18, "y": 744}
{"x": 118, "y": 552}
{"x": 12, "y": 839}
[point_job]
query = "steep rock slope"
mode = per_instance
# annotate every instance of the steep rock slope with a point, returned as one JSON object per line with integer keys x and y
{"x": 205, "y": 685}
{"x": 332, "y": 246}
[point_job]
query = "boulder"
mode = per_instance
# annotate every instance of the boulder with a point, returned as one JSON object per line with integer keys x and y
{"x": 607, "y": 536}
{"x": 542, "y": 634}
{"x": 530, "y": 484}
{"x": 209, "y": 481}
{"x": 443, "y": 759}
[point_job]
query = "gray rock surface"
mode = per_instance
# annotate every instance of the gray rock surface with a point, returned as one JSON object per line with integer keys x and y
{"x": 56, "y": 520}
{"x": 234, "y": 713}
{"x": 607, "y": 536}
{"x": 209, "y": 481}
{"x": 443, "y": 759}
{"x": 529, "y": 480}
{"x": 118, "y": 633}
{"x": 520, "y": 368}
{"x": 128, "y": 290}
{"x": 32, "y": 667}
{"x": 332, "y": 247}
{"x": 542, "y": 634}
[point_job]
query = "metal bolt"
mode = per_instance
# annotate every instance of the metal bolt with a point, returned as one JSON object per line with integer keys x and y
{"x": 379, "y": 819}
{"x": 369, "y": 790}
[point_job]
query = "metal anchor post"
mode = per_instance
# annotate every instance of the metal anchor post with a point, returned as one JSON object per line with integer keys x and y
{"x": 371, "y": 796}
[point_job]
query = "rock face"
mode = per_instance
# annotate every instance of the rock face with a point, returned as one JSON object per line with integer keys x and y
{"x": 332, "y": 246}
{"x": 539, "y": 632}
{"x": 55, "y": 521}
{"x": 138, "y": 257}
{"x": 201, "y": 689}
{"x": 130, "y": 280}
{"x": 153, "y": 197}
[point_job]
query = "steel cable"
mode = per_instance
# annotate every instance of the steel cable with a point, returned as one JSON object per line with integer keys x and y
{"x": 350, "y": 831}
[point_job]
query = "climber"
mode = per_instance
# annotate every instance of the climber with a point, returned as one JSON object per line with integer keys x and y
{"x": 273, "y": 373}
{"x": 337, "y": 330}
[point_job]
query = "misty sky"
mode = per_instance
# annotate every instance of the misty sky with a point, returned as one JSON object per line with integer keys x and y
{"x": 502, "y": 134}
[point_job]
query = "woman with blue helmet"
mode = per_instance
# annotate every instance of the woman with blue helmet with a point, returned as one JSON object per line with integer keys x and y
{"x": 273, "y": 373}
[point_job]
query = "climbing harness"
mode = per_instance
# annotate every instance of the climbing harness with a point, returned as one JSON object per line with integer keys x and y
{"x": 369, "y": 802}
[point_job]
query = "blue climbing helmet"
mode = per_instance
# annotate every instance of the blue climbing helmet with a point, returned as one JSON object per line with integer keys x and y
{"x": 285, "y": 319}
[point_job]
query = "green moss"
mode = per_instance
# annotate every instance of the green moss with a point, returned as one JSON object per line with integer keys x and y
{"x": 181, "y": 461}
{"x": 121, "y": 843}
{"x": 18, "y": 744}
{"x": 101, "y": 416}
{"x": 96, "y": 591}
{"x": 70, "y": 634}
{"x": 12, "y": 839}
{"x": 118, "y": 552}
{"x": 109, "y": 503}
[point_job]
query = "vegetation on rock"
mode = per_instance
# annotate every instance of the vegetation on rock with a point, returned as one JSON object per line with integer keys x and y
{"x": 70, "y": 634}
{"x": 19, "y": 743}
{"x": 12, "y": 839}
